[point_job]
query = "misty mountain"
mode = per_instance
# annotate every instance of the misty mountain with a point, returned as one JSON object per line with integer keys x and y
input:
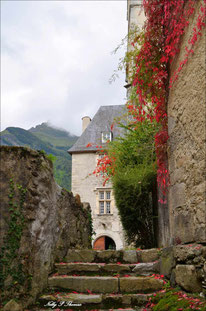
{"x": 49, "y": 139}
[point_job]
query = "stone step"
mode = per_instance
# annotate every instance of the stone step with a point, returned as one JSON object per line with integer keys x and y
{"x": 83, "y": 309}
{"x": 112, "y": 256}
{"x": 107, "y": 269}
{"x": 100, "y": 300}
{"x": 105, "y": 284}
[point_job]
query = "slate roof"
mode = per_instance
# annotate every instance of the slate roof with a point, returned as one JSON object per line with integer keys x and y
{"x": 101, "y": 122}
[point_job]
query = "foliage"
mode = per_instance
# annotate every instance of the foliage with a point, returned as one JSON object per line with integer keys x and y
{"x": 174, "y": 300}
{"x": 9, "y": 251}
{"x": 130, "y": 162}
{"x": 91, "y": 227}
{"x": 147, "y": 62}
{"x": 52, "y": 158}
{"x": 134, "y": 181}
{"x": 62, "y": 171}
{"x": 133, "y": 189}
{"x": 165, "y": 24}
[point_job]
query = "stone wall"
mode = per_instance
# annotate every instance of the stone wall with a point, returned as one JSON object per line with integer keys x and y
{"x": 54, "y": 221}
{"x": 186, "y": 145}
{"x": 185, "y": 266}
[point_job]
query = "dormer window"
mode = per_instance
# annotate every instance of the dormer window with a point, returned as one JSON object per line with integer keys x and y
{"x": 106, "y": 136}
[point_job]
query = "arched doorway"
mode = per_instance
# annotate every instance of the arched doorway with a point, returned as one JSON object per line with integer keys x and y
{"x": 104, "y": 243}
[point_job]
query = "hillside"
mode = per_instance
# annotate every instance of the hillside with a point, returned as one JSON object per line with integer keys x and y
{"x": 45, "y": 137}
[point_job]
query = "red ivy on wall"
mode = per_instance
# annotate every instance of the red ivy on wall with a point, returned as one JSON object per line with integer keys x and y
{"x": 166, "y": 22}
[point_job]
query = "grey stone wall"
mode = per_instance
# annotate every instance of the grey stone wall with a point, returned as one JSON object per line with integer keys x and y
{"x": 186, "y": 145}
{"x": 185, "y": 266}
{"x": 55, "y": 221}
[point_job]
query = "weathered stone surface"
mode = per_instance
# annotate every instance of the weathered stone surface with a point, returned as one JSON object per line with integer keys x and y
{"x": 186, "y": 277}
{"x": 80, "y": 255}
{"x": 103, "y": 299}
{"x": 84, "y": 299}
{"x": 54, "y": 221}
{"x": 146, "y": 268}
{"x": 177, "y": 195}
{"x": 83, "y": 283}
{"x": 140, "y": 284}
{"x": 149, "y": 255}
{"x": 12, "y": 305}
{"x": 77, "y": 267}
{"x": 130, "y": 256}
{"x": 126, "y": 299}
{"x": 167, "y": 261}
{"x": 139, "y": 298}
{"x": 115, "y": 268}
{"x": 108, "y": 256}
{"x": 183, "y": 253}
{"x": 186, "y": 146}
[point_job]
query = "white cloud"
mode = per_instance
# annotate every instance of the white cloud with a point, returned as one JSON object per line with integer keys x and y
{"x": 56, "y": 60}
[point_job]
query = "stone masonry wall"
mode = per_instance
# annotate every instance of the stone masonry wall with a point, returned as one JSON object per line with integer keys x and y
{"x": 54, "y": 221}
{"x": 186, "y": 145}
{"x": 185, "y": 266}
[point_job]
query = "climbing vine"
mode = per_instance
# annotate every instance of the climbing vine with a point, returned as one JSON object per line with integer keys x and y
{"x": 9, "y": 268}
{"x": 148, "y": 71}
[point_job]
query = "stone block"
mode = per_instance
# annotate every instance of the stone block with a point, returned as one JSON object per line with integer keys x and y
{"x": 167, "y": 262}
{"x": 130, "y": 256}
{"x": 183, "y": 253}
{"x": 177, "y": 176}
{"x": 108, "y": 256}
{"x": 149, "y": 255}
{"x": 48, "y": 298}
{"x": 77, "y": 267}
{"x": 171, "y": 125}
{"x": 177, "y": 195}
{"x": 115, "y": 268}
{"x": 75, "y": 298}
{"x": 12, "y": 305}
{"x": 139, "y": 299}
{"x": 146, "y": 268}
{"x": 140, "y": 284}
{"x": 83, "y": 283}
{"x": 84, "y": 299}
{"x": 183, "y": 227}
{"x": 126, "y": 299}
{"x": 80, "y": 255}
{"x": 186, "y": 277}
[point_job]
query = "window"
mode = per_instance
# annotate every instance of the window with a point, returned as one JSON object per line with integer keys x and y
{"x": 101, "y": 207}
{"x": 101, "y": 195}
{"x": 108, "y": 195}
{"x": 104, "y": 202}
{"x": 106, "y": 136}
{"x": 108, "y": 207}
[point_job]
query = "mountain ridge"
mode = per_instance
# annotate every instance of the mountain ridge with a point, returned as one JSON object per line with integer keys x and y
{"x": 49, "y": 139}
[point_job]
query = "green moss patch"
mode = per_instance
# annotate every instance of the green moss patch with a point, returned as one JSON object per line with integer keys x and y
{"x": 175, "y": 300}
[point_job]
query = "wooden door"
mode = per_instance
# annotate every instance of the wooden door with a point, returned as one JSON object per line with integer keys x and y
{"x": 99, "y": 244}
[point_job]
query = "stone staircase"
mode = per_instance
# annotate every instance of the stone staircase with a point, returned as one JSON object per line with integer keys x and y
{"x": 103, "y": 280}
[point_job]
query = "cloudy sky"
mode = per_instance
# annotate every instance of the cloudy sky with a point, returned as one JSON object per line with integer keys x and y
{"x": 56, "y": 60}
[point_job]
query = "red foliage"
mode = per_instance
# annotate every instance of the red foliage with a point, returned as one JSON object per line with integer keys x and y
{"x": 166, "y": 23}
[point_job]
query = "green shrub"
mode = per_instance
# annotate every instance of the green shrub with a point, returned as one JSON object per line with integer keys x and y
{"x": 134, "y": 182}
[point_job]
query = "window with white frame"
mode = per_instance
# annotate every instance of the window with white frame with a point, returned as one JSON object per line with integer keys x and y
{"x": 105, "y": 201}
{"x": 106, "y": 136}
{"x": 108, "y": 207}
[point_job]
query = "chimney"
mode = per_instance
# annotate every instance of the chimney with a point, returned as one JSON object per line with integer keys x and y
{"x": 85, "y": 123}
